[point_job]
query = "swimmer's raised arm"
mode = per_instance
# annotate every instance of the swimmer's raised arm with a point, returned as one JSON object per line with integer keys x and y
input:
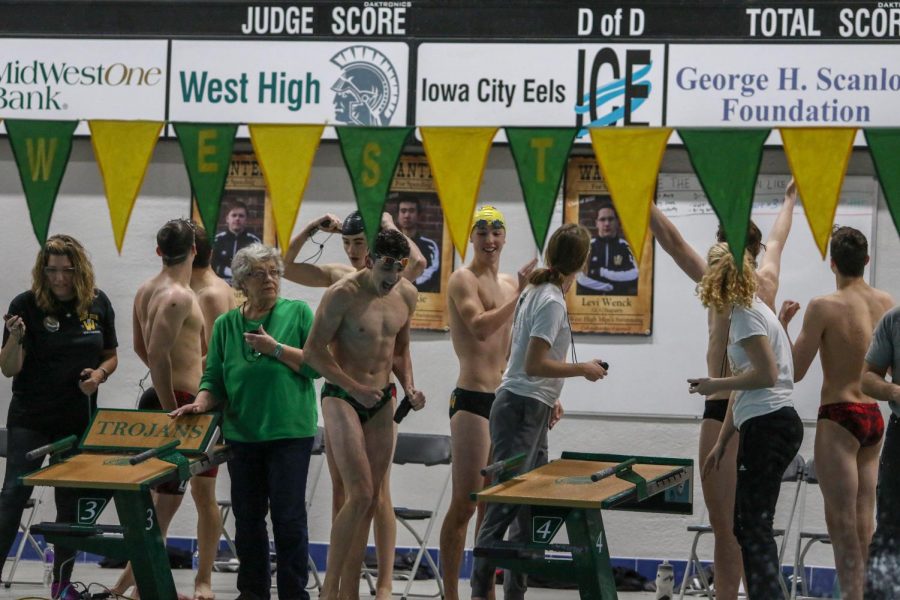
{"x": 312, "y": 275}
{"x": 671, "y": 240}
{"x": 770, "y": 266}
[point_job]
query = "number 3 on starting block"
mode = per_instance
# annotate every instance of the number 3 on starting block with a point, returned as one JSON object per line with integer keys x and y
{"x": 89, "y": 509}
{"x": 544, "y": 528}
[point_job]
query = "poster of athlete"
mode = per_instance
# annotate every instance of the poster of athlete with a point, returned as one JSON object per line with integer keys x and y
{"x": 245, "y": 214}
{"x": 613, "y": 294}
{"x": 416, "y": 210}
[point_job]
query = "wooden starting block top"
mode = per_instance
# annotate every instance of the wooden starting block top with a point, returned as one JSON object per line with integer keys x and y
{"x": 129, "y": 430}
{"x": 567, "y": 482}
{"x": 108, "y": 471}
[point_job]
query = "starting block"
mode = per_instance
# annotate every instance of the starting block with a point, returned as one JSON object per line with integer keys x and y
{"x": 124, "y": 454}
{"x": 572, "y": 491}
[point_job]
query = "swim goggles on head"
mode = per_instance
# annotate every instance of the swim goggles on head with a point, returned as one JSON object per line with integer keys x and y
{"x": 485, "y": 224}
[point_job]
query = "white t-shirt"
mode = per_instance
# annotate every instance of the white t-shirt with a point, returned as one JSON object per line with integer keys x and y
{"x": 746, "y": 323}
{"x": 540, "y": 313}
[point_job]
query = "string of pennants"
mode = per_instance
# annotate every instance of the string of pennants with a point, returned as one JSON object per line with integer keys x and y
{"x": 726, "y": 162}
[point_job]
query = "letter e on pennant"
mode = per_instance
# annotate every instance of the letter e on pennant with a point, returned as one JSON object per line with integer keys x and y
{"x": 206, "y": 147}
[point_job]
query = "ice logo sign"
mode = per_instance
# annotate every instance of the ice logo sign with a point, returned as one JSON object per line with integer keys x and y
{"x": 602, "y": 103}
{"x": 368, "y": 90}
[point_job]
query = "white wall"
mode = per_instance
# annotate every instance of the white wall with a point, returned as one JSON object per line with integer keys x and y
{"x": 81, "y": 211}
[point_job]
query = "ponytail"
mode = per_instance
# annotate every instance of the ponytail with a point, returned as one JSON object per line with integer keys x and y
{"x": 546, "y": 275}
{"x": 722, "y": 284}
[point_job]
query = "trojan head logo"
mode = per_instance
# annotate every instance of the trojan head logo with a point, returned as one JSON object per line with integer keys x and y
{"x": 367, "y": 90}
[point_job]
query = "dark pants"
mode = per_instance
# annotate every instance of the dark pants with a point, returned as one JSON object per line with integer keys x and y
{"x": 518, "y": 424}
{"x": 14, "y": 496}
{"x": 767, "y": 446}
{"x": 271, "y": 476}
{"x": 883, "y": 572}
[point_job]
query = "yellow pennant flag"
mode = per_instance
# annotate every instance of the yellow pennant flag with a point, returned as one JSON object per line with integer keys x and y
{"x": 457, "y": 156}
{"x": 285, "y": 154}
{"x": 123, "y": 150}
{"x": 629, "y": 159}
{"x": 818, "y": 160}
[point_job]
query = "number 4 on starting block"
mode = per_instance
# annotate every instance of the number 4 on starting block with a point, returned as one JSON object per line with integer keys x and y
{"x": 544, "y": 528}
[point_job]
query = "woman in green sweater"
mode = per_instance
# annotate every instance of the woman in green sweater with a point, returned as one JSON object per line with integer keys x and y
{"x": 256, "y": 375}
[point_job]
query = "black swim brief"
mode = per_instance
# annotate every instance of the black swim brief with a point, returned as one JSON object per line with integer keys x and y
{"x": 387, "y": 394}
{"x": 477, "y": 403}
{"x": 715, "y": 409}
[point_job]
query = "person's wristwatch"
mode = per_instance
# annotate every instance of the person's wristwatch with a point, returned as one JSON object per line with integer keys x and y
{"x": 279, "y": 350}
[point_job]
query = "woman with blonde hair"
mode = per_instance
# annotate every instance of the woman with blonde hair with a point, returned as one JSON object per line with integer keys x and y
{"x": 59, "y": 345}
{"x": 527, "y": 402}
{"x": 718, "y": 486}
{"x": 761, "y": 410}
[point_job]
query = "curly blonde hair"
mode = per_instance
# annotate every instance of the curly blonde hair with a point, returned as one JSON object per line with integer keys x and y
{"x": 722, "y": 285}
{"x": 83, "y": 282}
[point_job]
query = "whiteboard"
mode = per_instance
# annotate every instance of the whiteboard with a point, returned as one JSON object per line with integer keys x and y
{"x": 648, "y": 375}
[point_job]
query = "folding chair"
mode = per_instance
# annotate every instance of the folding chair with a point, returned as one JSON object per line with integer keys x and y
{"x": 693, "y": 563}
{"x": 312, "y": 483}
{"x": 793, "y": 474}
{"x": 224, "y": 513}
{"x": 24, "y": 526}
{"x": 810, "y": 537}
{"x": 428, "y": 450}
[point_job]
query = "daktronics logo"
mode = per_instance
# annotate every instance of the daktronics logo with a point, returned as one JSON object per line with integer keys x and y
{"x": 612, "y": 87}
{"x": 49, "y": 77}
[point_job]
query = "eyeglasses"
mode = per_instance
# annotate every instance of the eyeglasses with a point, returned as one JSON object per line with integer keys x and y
{"x": 485, "y": 224}
{"x": 261, "y": 275}
{"x": 64, "y": 271}
{"x": 397, "y": 264}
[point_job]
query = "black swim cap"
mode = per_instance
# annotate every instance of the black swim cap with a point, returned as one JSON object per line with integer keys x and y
{"x": 353, "y": 224}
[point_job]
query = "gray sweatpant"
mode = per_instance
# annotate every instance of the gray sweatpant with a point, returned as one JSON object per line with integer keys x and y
{"x": 518, "y": 424}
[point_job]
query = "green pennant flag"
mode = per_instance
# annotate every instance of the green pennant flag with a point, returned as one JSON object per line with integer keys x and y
{"x": 371, "y": 155}
{"x": 207, "y": 153}
{"x": 41, "y": 150}
{"x": 727, "y": 163}
{"x": 884, "y": 144}
{"x": 540, "y": 155}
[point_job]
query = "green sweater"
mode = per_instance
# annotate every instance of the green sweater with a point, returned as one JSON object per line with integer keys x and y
{"x": 261, "y": 398}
